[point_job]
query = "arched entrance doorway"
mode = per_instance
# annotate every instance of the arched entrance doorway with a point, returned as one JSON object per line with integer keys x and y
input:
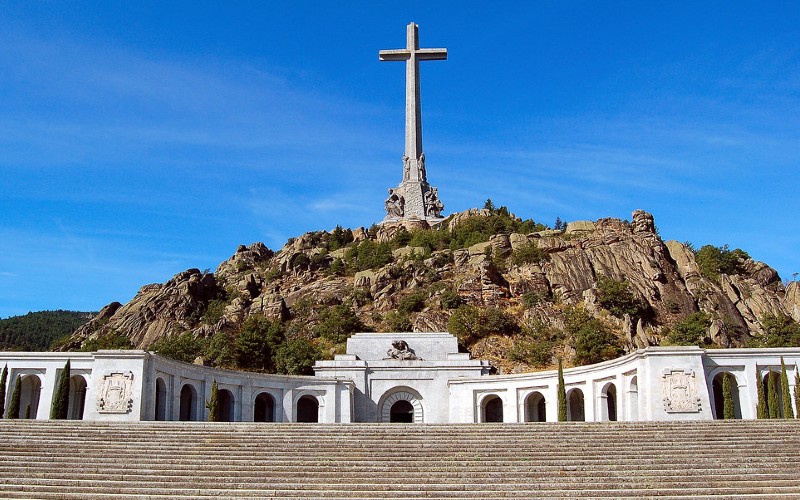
{"x": 535, "y": 408}
{"x": 401, "y": 412}
{"x": 29, "y": 391}
{"x": 308, "y": 409}
{"x": 633, "y": 400}
{"x": 225, "y": 405}
{"x": 575, "y": 408}
{"x": 608, "y": 406}
{"x": 717, "y": 387}
{"x": 264, "y": 408}
{"x": 388, "y": 401}
{"x": 188, "y": 410}
{"x": 77, "y": 397}
{"x": 492, "y": 409}
{"x": 161, "y": 399}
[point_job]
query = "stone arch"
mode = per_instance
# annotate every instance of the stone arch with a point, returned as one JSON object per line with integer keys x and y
{"x": 188, "y": 409}
{"x": 388, "y": 401}
{"x": 226, "y": 405}
{"x": 161, "y": 399}
{"x": 718, "y": 395}
{"x": 608, "y": 402}
{"x": 30, "y": 390}
{"x": 535, "y": 407}
{"x": 307, "y": 409}
{"x": 575, "y": 406}
{"x": 264, "y": 408}
{"x": 633, "y": 399}
{"x": 492, "y": 408}
{"x": 77, "y": 397}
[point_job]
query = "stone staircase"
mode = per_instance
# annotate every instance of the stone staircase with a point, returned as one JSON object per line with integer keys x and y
{"x": 70, "y": 459}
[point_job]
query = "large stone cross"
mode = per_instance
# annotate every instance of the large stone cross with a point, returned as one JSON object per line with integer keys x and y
{"x": 418, "y": 200}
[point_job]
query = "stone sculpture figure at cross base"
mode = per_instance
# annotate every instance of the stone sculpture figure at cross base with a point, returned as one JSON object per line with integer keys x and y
{"x": 414, "y": 198}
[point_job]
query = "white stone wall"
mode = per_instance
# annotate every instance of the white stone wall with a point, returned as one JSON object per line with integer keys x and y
{"x": 657, "y": 383}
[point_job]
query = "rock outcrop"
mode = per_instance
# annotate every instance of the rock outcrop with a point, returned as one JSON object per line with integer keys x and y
{"x": 287, "y": 284}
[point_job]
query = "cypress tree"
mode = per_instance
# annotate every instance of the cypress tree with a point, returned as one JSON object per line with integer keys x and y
{"x": 28, "y": 411}
{"x": 3, "y": 379}
{"x": 772, "y": 396}
{"x": 562, "y": 394}
{"x": 761, "y": 408}
{"x": 728, "y": 412}
{"x": 213, "y": 403}
{"x": 60, "y": 405}
{"x": 786, "y": 395}
{"x": 13, "y": 407}
{"x": 796, "y": 392}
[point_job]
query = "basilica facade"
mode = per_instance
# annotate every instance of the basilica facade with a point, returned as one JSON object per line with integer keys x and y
{"x": 408, "y": 377}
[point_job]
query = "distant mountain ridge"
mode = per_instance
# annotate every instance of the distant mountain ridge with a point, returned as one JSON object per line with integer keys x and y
{"x": 515, "y": 292}
{"x": 37, "y": 331}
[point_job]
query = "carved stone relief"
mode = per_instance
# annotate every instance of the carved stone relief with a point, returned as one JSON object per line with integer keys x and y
{"x": 115, "y": 393}
{"x": 679, "y": 391}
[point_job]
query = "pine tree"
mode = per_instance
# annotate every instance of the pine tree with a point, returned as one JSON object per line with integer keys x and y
{"x": 562, "y": 394}
{"x": 772, "y": 396}
{"x": 3, "y": 379}
{"x": 60, "y": 406}
{"x": 13, "y": 408}
{"x": 761, "y": 408}
{"x": 796, "y": 392}
{"x": 213, "y": 403}
{"x": 786, "y": 395}
{"x": 728, "y": 412}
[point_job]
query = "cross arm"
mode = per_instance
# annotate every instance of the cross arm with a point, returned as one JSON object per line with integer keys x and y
{"x": 394, "y": 55}
{"x": 431, "y": 54}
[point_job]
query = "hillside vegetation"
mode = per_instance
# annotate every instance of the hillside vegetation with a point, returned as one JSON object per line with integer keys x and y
{"x": 513, "y": 291}
{"x": 36, "y": 331}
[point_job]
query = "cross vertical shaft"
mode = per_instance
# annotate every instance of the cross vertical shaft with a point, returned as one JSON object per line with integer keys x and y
{"x": 412, "y": 55}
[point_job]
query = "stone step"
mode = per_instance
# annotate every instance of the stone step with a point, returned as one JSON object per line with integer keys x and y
{"x": 391, "y": 491}
{"x": 40, "y": 459}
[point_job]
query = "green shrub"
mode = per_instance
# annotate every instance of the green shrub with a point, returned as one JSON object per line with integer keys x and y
{"x": 256, "y": 343}
{"x": 532, "y": 351}
{"x": 214, "y": 311}
{"x": 368, "y": 255}
{"x": 296, "y": 357}
{"x": 337, "y": 268}
{"x": 16, "y": 394}
{"x": 214, "y": 408}
{"x": 339, "y": 238}
{"x": 562, "y": 394}
{"x": 221, "y": 350}
{"x": 414, "y": 302}
{"x": 617, "y": 298}
{"x": 60, "y": 405}
{"x": 529, "y": 253}
{"x": 111, "y": 340}
{"x": 450, "y": 299}
{"x": 398, "y": 322}
{"x": 779, "y": 331}
{"x": 337, "y": 323}
{"x": 470, "y": 323}
{"x": 692, "y": 330}
{"x": 713, "y": 261}
{"x": 592, "y": 339}
{"x": 3, "y": 380}
{"x": 184, "y": 347}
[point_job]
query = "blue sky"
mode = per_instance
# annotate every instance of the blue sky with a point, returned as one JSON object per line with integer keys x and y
{"x": 139, "y": 139}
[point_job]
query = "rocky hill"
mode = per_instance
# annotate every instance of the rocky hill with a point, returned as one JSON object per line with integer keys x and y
{"x": 514, "y": 292}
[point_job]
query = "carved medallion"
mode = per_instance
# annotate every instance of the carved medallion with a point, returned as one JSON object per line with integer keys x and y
{"x": 679, "y": 391}
{"x": 115, "y": 393}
